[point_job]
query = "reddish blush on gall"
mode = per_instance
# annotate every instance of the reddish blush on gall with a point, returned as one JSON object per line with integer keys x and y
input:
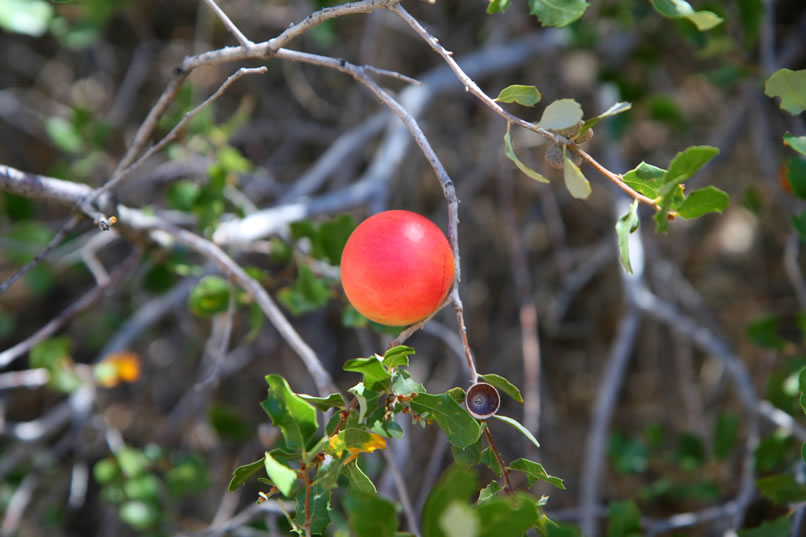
{"x": 397, "y": 268}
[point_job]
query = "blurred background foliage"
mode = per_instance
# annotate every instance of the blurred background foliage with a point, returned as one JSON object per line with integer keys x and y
{"x": 77, "y": 79}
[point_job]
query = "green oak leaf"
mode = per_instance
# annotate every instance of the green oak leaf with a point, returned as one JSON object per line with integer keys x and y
{"x": 319, "y": 502}
{"x": 790, "y": 86}
{"x": 469, "y": 456}
{"x": 460, "y": 427}
{"x": 210, "y": 296}
{"x": 518, "y": 93}
{"x": 782, "y": 489}
{"x": 679, "y": 9}
{"x": 457, "y": 484}
{"x": 624, "y": 519}
{"x": 645, "y": 179}
{"x": 799, "y": 222}
{"x": 404, "y": 384}
{"x": 243, "y": 473}
{"x": 687, "y": 163}
{"x": 281, "y": 475}
{"x": 616, "y": 108}
{"x": 683, "y": 166}
{"x": 358, "y": 480}
{"x": 703, "y": 201}
{"x": 376, "y": 376}
{"x": 490, "y": 491}
{"x": 457, "y": 394}
{"x": 508, "y": 514}
{"x": 334, "y": 400}
{"x": 796, "y": 175}
{"x": 509, "y": 152}
{"x": 780, "y": 527}
{"x": 370, "y": 515}
{"x": 535, "y": 471}
{"x": 557, "y": 13}
{"x": 397, "y": 356}
{"x": 309, "y": 292}
{"x": 561, "y": 114}
{"x": 502, "y": 384}
{"x": 523, "y": 430}
{"x": 291, "y": 413}
{"x": 798, "y": 143}
{"x": 498, "y": 6}
{"x": 489, "y": 459}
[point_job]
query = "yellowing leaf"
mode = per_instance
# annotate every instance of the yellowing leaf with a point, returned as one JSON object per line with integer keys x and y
{"x": 356, "y": 441}
{"x": 120, "y": 367}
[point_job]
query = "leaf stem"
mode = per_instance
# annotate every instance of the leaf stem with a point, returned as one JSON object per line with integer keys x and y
{"x": 344, "y": 415}
{"x": 307, "y": 479}
{"x": 504, "y": 470}
{"x": 460, "y": 319}
{"x": 615, "y": 178}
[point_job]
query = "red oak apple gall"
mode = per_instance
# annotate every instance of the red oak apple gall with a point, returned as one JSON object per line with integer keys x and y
{"x": 397, "y": 268}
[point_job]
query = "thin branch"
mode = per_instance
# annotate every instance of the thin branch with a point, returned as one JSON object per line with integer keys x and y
{"x": 473, "y": 88}
{"x": 457, "y": 305}
{"x": 307, "y": 478}
{"x": 146, "y": 315}
{"x": 212, "y": 252}
{"x": 414, "y": 99}
{"x": 122, "y": 174}
{"x": 391, "y": 74}
{"x": 123, "y": 170}
{"x": 54, "y": 242}
{"x": 229, "y": 24}
{"x": 318, "y": 17}
{"x": 402, "y": 492}
{"x": 410, "y": 330}
{"x": 10, "y": 354}
{"x": 29, "y": 378}
{"x": 138, "y": 221}
{"x": 89, "y": 254}
{"x": 504, "y": 470}
{"x": 17, "y": 504}
{"x": 603, "y": 407}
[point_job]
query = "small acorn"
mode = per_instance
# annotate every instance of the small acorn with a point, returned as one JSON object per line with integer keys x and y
{"x": 482, "y": 400}
{"x": 554, "y": 156}
{"x": 571, "y": 132}
{"x": 584, "y": 137}
{"x": 568, "y": 132}
{"x": 574, "y": 156}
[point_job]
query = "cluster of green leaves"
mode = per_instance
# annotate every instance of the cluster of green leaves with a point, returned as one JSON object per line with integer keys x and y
{"x": 787, "y": 387}
{"x": 663, "y": 187}
{"x": 139, "y": 481}
{"x": 560, "y": 13}
{"x": 779, "y": 457}
{"x": 325, "y": 242}
{"x": 318, "y": 470}
{"x": 675, "y": 466}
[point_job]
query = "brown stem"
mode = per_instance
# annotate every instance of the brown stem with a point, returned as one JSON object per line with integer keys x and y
{"x": 307, "y": 479}
{"x": 460, "y": 319}
{"x": 508, "y": 487}
{"x": 344, "y": 415}
{"x": 616, "y": 178}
